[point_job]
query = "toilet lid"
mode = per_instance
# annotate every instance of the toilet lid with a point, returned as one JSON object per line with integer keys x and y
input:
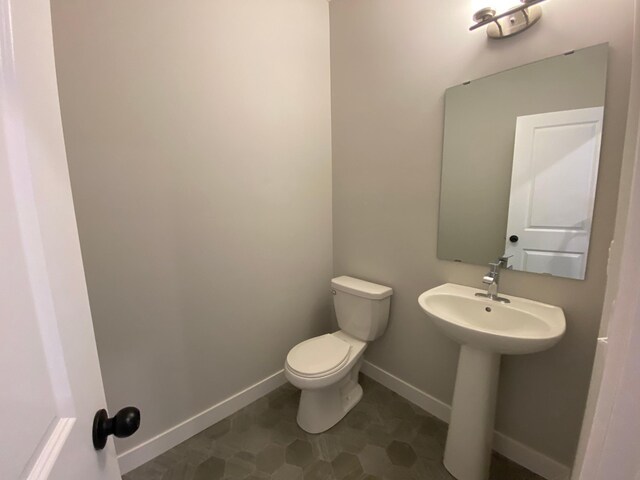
{"x": 318, "y": 355}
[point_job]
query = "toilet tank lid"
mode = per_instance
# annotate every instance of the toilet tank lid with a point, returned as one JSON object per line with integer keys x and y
{"x": 361, "y": 288}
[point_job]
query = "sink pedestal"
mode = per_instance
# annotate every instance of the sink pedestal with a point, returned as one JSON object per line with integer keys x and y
{"x": 486, "y": 329}
{"x": 467, "y": 454}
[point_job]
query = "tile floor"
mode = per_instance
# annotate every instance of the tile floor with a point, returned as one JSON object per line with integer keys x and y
{"x": 383, "y": 437}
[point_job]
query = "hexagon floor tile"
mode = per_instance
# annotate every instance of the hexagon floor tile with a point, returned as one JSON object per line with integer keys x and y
{"x": 384, "y": 437}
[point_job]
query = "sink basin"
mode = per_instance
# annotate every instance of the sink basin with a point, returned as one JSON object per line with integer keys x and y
{"x": 485, "y": 329}
{"x": 522, "y": 326}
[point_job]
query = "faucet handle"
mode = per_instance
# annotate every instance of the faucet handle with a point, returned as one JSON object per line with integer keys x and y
{"x": 495, "y": 266}
{"x": 489, "y": 279}
{"x": 502, "y": 261}
{"x": 505, "y": 262}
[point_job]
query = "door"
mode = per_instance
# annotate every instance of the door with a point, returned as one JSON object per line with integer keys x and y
{"x": 49, "y": 374}
{"x": 555, "y": 164}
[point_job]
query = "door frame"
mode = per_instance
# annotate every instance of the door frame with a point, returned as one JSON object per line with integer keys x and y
{"x": 609, "y": 445}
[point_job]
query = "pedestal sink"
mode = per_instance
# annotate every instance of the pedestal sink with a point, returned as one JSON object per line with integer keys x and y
{"x": 485, "y": 329}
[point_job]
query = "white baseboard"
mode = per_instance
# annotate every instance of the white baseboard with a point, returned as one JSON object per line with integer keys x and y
{"x": 168, "y": 439}
{"x": 510, "y": 448}
{"x": 518, "y": 452}
{"x": 425, "y": 401}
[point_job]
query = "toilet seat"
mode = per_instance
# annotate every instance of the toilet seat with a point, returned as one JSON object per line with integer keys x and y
{"x": 318, "y": 356}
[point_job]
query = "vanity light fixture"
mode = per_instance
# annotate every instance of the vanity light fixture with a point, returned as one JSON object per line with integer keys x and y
{"x": 511, "y": 22}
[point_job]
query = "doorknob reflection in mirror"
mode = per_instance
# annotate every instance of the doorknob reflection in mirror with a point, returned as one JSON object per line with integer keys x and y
{"x": 123, "y": 424}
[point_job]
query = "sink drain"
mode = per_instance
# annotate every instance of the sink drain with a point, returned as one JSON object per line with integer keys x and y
{"x": 487, "y": 309}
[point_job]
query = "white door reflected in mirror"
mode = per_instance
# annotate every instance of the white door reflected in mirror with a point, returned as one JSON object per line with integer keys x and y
{"x": 553, "y": 183}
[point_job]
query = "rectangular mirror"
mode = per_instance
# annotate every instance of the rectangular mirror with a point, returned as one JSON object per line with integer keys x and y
{"x": 520, "y": 164}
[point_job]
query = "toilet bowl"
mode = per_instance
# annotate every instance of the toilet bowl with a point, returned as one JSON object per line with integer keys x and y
{"x": 326, "y": 367}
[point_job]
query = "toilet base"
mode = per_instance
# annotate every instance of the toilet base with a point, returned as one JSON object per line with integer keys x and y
{"x": 320, "y": 409}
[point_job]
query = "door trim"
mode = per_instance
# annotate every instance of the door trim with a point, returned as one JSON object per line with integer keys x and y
{"x": 47, "y": 456}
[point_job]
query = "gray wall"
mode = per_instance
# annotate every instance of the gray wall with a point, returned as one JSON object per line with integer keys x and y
{"x": 198, "y": 138}
{"x": 391, "y": 63}
{"x": 479, "y": 131}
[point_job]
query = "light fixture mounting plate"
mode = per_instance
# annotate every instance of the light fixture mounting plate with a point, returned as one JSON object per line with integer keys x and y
{"x": 515, "y": 23}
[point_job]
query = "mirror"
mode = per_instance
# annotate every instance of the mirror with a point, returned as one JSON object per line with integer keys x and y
{"x": 520, "y": 164}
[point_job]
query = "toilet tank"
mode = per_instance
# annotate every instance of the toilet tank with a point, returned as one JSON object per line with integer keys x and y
{"x": 362, "y": 308}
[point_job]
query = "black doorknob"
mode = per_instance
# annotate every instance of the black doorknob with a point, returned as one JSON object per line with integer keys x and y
{"x": 123, "y": 424}
{"x": 514, "y": 238}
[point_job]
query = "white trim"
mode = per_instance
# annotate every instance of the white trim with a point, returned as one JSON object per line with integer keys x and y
{"x": 510, "y": 448}
{"x": 51, "y": 450}
{"x": 425, "y": 401}
{"x": 529, "y": 458}
{"x": 168, "y": 439}
{"x": 518, "y": 452}
{"x": 608, "y": 445}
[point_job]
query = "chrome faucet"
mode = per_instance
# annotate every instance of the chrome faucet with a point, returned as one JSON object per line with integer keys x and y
{"x": 492, "y": 278}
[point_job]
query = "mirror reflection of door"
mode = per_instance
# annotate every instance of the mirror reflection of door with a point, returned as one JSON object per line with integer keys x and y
{"x": 555, "y": 168}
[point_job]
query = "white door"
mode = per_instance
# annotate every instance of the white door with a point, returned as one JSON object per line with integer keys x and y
{"x": 50, "y": 384}
{"x": 553, "y": 184}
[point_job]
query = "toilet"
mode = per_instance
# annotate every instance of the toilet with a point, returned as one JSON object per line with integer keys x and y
{"x": 326, "y": 368}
